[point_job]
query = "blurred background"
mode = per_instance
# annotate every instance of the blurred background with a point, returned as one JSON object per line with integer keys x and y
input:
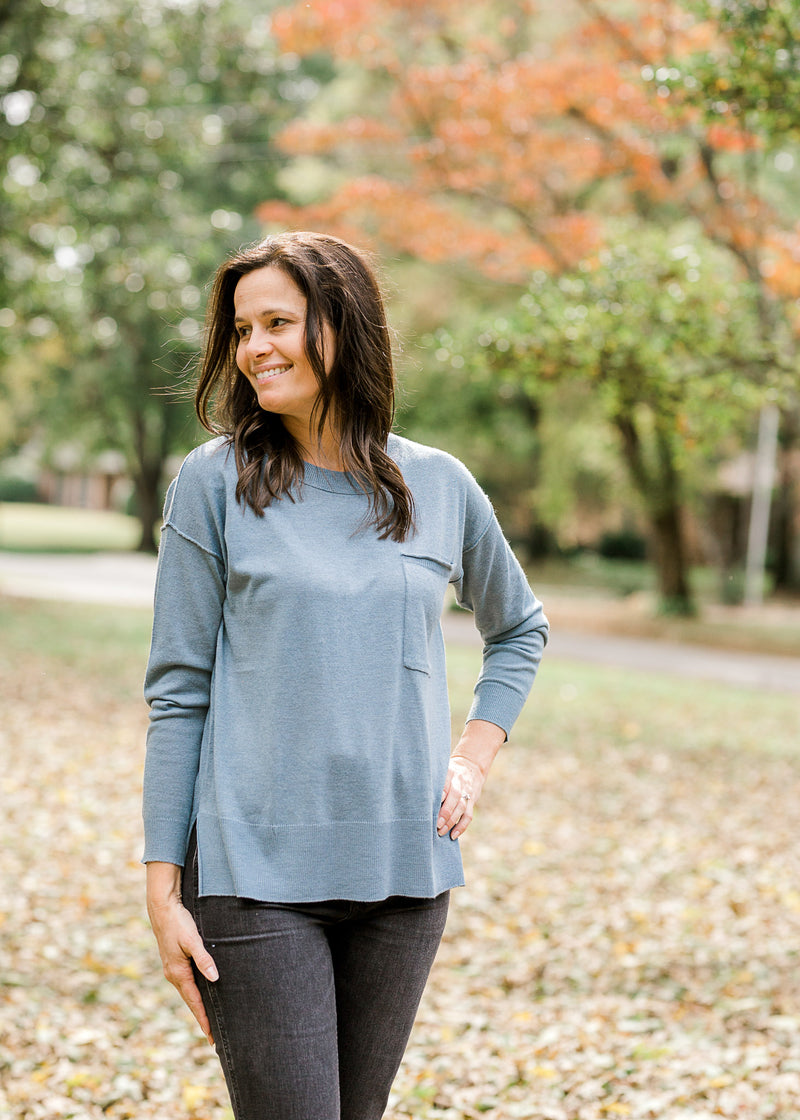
{"x": 586, "y": 215}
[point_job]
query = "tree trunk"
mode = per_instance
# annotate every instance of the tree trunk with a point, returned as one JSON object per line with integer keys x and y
{"x": 148, "y": 507}
{"x": 147, "y": 478}
{"x": 150, "y": 443}
{"x": 670, "y": 556}
{"x": 785, "y": 566}
{"x": 658, "y": 485}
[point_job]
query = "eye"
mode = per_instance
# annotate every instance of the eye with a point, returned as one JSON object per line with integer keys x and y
{"x": 242, "y": 332}
{"x": 278, "y": 321}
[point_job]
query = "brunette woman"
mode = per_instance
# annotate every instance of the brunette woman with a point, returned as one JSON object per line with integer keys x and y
{"x": 302, "y": 803}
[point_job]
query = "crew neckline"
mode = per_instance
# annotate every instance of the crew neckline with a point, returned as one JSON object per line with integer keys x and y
{"x": 325, "y": 478}
{"x": 337, "y": 482}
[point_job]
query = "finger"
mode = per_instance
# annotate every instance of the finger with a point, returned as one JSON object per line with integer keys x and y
{"x": 180, "y": 975}
{"x": 450, "y": 798}
{"x": 205, "y": 962}
{"x": 455, "y": 808}
{"x": 190, "y": 994}
{"x": 193, "y": 947}
{"x": 447, "y": 812}
{"x": 463, "y": 823}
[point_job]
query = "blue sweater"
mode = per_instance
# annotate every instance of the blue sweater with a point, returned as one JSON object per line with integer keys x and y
{"x": 299, "y": 711}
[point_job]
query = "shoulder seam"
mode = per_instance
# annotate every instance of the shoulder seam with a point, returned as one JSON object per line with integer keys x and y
{"x": 210, "y": 552}
{"x": 482, "y": 534}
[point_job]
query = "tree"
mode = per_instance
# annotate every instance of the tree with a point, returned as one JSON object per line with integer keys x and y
{"x": 669, "y": 345}
{"x": 459, "y": 406}
{"x": 747, "y": 83}
{"x": 140, "y": 144}
{"x": 492, "y": 139}
{"x": 457, "y": 157}
{"x": 750, "y": 73}
{"x": 494, "y": 143}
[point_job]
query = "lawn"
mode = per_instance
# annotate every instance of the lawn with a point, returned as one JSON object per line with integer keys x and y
{"x": 627, "y": 944}
{"x": 586, "y": 592}
{"x": 41, "y": 528}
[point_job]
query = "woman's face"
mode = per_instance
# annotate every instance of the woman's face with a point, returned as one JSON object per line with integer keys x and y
{"x": 270, "y": 312}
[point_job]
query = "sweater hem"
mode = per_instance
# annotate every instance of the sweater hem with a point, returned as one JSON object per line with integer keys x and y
{"x": 298, "y": 863}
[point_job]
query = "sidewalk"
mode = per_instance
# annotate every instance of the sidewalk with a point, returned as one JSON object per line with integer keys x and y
{"x": 126, "y": 579}
{"x": 117, "y": 578}
{"x": 746, "y": 670}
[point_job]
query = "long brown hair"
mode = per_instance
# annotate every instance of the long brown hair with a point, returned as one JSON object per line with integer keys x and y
{"x": 359, "y": 389}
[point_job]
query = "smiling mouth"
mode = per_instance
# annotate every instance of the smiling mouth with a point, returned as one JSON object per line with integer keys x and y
{"x": 262, "y": 376}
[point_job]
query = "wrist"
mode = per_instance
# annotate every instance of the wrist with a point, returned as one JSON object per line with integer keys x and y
{"x": 163, "y": 885}
{"x": 479, "y": 743}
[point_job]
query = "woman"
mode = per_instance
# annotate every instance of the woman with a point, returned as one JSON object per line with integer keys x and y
{"x": 301, "y": 800}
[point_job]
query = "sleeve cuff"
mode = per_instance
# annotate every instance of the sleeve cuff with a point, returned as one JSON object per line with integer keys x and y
{"x": 165, "y": 841}
{"x": 496, "y": 704}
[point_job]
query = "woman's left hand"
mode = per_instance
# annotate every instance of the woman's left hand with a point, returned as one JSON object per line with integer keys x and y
{"x": 462, "y": 788}
{"x": 469, "y": 764}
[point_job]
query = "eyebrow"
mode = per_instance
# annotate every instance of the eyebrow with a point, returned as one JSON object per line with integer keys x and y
{"x": 285, "y": 311}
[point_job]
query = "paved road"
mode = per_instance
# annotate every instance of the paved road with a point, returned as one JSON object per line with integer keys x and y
{"x": 127, "y": 579}
{"x": 122, "y": 578}
{"x": 747, "y": 670}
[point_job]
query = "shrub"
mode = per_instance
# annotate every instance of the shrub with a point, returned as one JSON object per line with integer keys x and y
{"x": 13, "y": 488}
{"x": 623, "y": 544}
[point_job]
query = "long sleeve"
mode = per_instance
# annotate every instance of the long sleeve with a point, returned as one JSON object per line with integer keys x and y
{"x": 508, "y": 616}
{"x": 189, "y": 597}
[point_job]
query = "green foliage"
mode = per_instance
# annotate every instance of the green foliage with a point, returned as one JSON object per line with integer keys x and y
{"x": 624, "y": 544}
{"x": 659, "y": 332}
{"x": 478, "y": 417}
{"x": 140, "y": 143}
{"x": 752, "y": 71}
{"x": 14, "y": 488}
{"x": 545, "y": 458}
{"x": 668, "y": 344}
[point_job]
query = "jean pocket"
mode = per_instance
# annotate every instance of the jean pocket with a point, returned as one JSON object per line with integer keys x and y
{"x": 426, "y": 579}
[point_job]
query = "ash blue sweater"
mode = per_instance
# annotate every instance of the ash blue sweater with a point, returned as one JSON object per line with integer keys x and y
{"x": 299, "y": 711}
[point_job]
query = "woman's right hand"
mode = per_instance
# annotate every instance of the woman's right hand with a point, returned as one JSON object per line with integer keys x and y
{"x": 179, "y": 942}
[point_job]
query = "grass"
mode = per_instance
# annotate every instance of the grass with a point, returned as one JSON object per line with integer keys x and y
{"x": 587, "y": 592}
{"x": 589, "y": 572}
{"x": 572, "y": 703}
{"x": 591, "y": 708}
{"x": 771, "y": 629}
{"x": 105, "y": 645}
{"x": 41, "y": 528}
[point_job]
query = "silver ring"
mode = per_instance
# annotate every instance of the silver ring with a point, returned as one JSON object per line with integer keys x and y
{"x": 466, "y": 797}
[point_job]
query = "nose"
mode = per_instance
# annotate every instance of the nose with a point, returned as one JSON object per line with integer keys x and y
{"x": 259, "y": 341}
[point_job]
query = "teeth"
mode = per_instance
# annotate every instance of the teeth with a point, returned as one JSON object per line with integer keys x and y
{"x": 264, "y": 373}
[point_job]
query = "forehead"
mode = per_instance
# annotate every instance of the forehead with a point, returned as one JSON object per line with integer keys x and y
{"x": 267, "y": 289}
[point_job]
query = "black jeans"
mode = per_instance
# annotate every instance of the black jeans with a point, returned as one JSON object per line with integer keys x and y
{"x": 315, "y": 1001}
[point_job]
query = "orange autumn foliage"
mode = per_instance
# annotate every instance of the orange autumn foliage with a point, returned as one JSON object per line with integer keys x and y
{"x": 372, "y": 208}
{"x": 487, "y": 144}
{"x": 304, "y": 138}
{"x": 729, "y": 138}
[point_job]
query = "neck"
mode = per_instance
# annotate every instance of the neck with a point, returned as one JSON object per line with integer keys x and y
{"x": 319, "y": 458}
{"x": 321, "y": 452}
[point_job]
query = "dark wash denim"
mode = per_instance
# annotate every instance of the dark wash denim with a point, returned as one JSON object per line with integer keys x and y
{"x": 315, "y": 1001}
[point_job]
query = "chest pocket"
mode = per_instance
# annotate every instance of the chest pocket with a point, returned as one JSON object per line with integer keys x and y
{"x": 426, "y": 579}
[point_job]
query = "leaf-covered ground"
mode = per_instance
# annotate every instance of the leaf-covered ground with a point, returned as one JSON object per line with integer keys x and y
{"x": 627, "y": 945}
